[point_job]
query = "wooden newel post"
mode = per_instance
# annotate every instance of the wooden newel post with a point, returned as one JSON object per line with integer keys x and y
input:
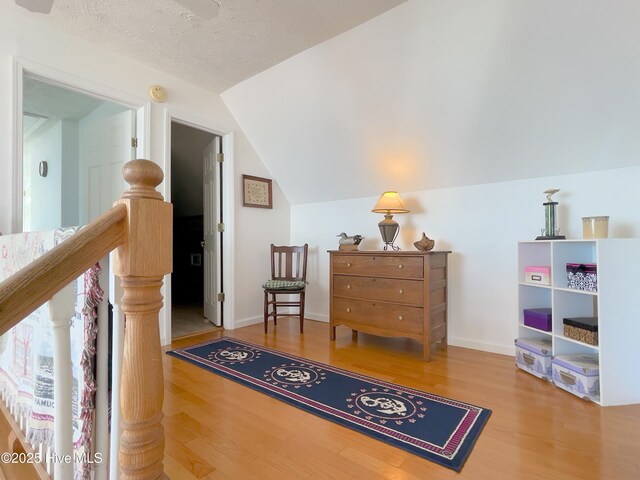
{"x": 141, "y": 263}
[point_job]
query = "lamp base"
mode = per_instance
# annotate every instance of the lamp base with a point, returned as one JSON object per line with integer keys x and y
{"x": 389, "y": 231}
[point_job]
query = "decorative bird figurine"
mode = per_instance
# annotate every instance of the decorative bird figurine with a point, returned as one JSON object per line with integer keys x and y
{"x": 349, "y": 240}
{"x": 424, "y": 244}
{"x": 550, "y": 192}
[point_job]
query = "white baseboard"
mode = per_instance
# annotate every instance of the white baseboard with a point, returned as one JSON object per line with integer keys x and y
{"x": 320, "y": 317}
{"x": 453, "y": 341}
{"x": 245, "y": 322}
{"x": 482, "y": 346}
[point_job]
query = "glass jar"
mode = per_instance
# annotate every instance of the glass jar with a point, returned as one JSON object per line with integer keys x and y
{"x": 595, "y": 227}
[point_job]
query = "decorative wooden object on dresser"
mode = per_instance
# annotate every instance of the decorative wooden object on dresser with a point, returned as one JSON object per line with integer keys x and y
{"x": 393, "y": 294}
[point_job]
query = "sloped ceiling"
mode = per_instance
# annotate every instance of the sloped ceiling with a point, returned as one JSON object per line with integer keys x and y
{"x": 438, "y": 94}
{"x": 246, "y": 36}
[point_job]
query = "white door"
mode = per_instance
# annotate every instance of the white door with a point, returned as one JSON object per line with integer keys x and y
{"x": 105, "y": 146}
{"x": 210, "y": 231}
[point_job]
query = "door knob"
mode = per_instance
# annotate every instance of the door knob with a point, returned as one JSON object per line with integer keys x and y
{"x": 202, "y": 243}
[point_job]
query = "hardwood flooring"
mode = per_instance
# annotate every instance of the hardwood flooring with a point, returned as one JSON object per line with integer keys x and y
{"x": 218, "y": 429}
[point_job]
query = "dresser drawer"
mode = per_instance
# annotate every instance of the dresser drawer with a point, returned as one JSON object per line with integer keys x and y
{"x": 399, "y": 318}
{"x": 387, "y": 289}
{"x": 379, "y": 265}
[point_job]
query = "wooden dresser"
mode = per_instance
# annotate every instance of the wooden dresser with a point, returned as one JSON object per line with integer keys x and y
{"x": 395, "y": 294}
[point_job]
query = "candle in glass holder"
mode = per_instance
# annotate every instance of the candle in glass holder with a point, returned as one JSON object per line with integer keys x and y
{"x": 595, "y": 227}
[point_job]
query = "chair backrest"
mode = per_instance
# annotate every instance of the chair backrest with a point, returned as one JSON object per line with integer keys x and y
{"x": 289, "y": 263}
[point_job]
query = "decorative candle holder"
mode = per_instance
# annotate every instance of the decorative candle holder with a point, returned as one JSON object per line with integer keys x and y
{"x": 595, "y": 227}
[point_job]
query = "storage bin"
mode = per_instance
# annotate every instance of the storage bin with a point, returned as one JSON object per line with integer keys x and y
{"x": 539, "y": 318}
{"x": 578, "y": 374}
{"x": 582, "y": 276}
{"x": 583, "y": 329}
{"x": 533, "y": 355}
{"x": 537, "y": 275}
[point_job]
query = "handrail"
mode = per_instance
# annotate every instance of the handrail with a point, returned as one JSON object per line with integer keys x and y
{"x": 30, "y": 287}
{"x": 139, "y": 225}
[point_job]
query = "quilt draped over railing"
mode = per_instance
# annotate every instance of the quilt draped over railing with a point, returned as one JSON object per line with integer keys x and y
{"x": 26, "y": 352}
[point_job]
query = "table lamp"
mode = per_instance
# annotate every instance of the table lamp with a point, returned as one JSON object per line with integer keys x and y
{"x": 389, "y": 203}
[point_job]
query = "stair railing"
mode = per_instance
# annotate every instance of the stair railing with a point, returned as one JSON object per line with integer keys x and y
{"x": 139, "y": 229}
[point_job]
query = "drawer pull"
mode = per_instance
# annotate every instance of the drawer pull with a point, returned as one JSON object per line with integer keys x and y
{"x": 348, "y": 310}
{"x": 348, "y": 264}
{"x": 400, "y": 317}
{"x": 400, "y": 266}
{"x": 348, "y": 286}
{"x": 401, "y": 291}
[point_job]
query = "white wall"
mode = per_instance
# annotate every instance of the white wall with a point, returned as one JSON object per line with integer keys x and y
{"x": 481, "y": 225}
{"x": 253, "y": 260}
{"x": 45, "y": 192}
{"x": 435, "y": 94}
{"x": 29, "y": 37}
{"x": 70, "y": 215}
{"x": 477, "y": 107}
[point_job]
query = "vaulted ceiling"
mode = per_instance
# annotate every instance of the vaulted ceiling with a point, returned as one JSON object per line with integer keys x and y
{"x": 440, "y": 94}
{"x": 347, "y": 98}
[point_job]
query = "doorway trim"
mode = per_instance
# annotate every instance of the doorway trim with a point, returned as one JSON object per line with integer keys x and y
{"x": 21, "y": 67}
{"x": 228, "y": 207}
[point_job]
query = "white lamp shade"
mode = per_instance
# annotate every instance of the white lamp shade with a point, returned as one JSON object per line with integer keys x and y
{"x": 390, "y": 202}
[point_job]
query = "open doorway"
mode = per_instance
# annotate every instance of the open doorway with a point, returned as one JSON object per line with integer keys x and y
{"x": 196, "y": 203}
{"x": 74, "y": 146}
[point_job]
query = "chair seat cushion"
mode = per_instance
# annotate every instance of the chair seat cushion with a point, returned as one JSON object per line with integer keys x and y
{"x": 283, "y": 285}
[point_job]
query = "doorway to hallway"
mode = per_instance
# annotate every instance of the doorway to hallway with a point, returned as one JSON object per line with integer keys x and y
{"x": 196, "y": 197}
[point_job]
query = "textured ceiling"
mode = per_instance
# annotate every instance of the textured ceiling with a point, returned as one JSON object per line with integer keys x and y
{"x": 247, "y": 36}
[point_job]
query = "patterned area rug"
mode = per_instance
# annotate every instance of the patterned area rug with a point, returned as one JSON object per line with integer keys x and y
{"x": 436, "y": 428}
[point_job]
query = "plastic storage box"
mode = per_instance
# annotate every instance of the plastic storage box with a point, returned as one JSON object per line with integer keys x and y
{"x": 578, "y": 374}
{"x": 582, "y": 276}
{"x": 539, "y": 318}
{"x": 533, "y": 355}
{"x": 583, "y": 329}
{"x": 537, "y": 275}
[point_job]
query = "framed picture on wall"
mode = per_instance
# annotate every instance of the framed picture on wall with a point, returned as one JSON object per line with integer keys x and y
{"x": 256, "y": 192}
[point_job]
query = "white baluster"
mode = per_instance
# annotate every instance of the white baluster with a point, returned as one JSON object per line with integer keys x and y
{"x": 47, "y": 459}
{"x": 102, "y": 377}
{"x": 115, "y": 296}
{"x": 61, "y": 309}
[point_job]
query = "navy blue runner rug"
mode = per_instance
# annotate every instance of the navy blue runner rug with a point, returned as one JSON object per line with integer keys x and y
{"x": 436, "y": 428}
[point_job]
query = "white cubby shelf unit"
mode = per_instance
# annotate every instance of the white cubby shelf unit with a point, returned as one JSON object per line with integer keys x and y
{"x": 616, "y": 304}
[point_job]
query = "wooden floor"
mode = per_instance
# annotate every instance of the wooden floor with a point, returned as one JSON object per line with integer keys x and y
{"x": 218, "y": 429}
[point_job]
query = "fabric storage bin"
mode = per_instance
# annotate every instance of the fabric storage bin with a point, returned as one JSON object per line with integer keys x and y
{"x": 539, "y": 318}
{"x": 533, "y": 355}
{"x": 582, "y": 276}
{"x": 583, "y": 329}
{"x": 539, "y": 275}
{"x": 578, "y": 374}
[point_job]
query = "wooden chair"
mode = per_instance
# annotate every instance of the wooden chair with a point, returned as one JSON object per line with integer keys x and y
{"x": 288, "y": 277}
